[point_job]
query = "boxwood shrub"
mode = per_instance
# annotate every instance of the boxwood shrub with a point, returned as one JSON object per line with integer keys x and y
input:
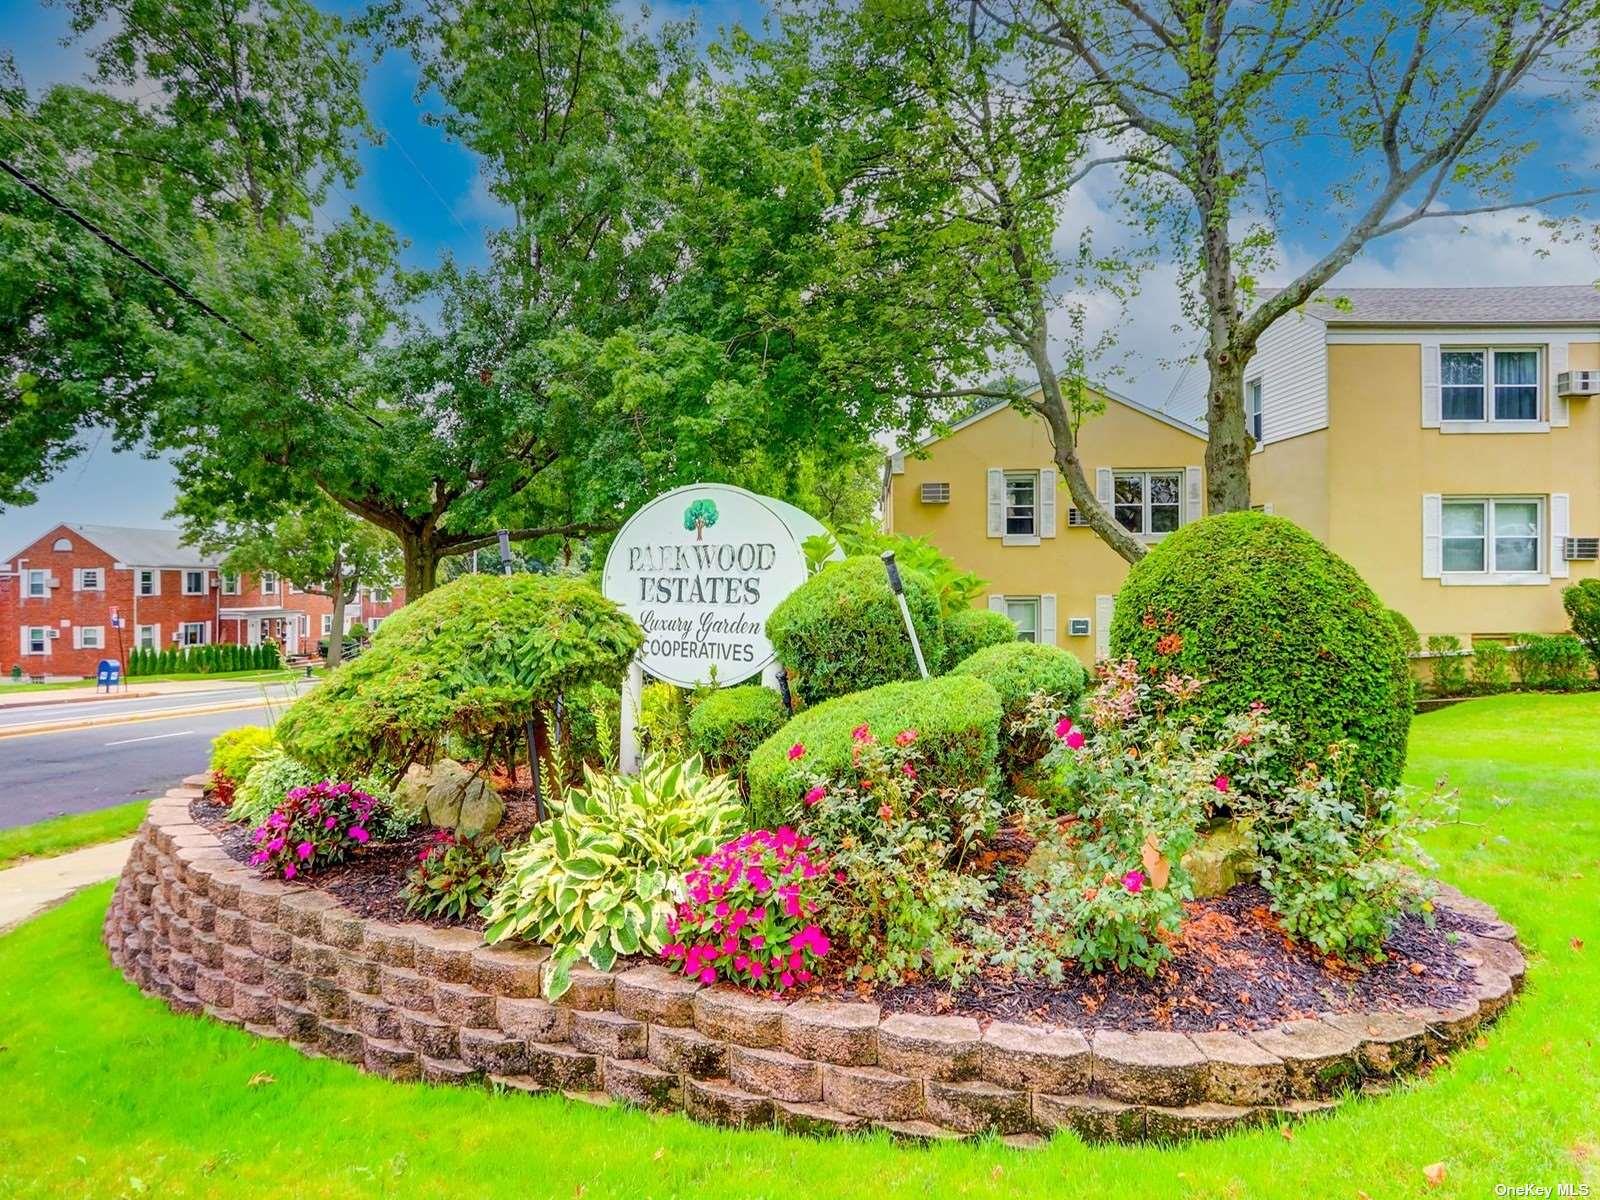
{"x": 1018, "y": 671}
{"x": 841, "y": 631}
{"x": 728, "y": 724}
{"x": 957, "y": 719}
{"x": 969, "y": 630}
{"x": 1264, "y": 612}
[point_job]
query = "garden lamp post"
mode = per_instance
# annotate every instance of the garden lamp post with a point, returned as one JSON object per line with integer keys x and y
{"x": 899, "y": 591}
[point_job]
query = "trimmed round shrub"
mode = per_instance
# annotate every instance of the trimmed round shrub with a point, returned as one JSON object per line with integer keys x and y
{"x": 473, "y": 659}
{"x": 1018, "y": 671}
{"x": 727, "y": 725}
{"x": 235, "y": 751}
{"x": 841, "y": 631}
{"x": 971, "y": 629}
{"x": 957, "y": 719}
{"x": 1262, "y": 611}
{"x": 1410, "y": 640}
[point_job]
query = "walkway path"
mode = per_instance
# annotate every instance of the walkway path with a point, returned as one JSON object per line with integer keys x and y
{"x": 35, "y": 885}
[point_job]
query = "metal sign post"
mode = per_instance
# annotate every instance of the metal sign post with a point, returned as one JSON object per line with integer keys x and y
{"x": 899, "y": 591}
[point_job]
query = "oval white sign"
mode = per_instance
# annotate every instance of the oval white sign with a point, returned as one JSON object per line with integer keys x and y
{"x": 701, "y": 568}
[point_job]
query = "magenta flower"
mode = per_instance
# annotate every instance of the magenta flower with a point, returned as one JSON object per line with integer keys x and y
{"x": 905, "y": 737}
{"x": 358, "y": 835}
{"x": 1075, "y": 740}
{"x": 815, "y": 795}
{"x": 305, "y": 850}
{"x": 1063, "y": 727}
{"x": 1134, "y": 881}
{"x": 861, "y": 733}
{"x": 796, "y": 751}
{"x": 290, "y": 870}
{"x": 1221, "y": 784}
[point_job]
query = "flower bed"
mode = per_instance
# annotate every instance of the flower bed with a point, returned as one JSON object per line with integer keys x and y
{"x": 195, "y": 925}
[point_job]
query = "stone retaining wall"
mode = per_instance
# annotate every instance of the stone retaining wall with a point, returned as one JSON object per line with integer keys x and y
{"x": 209, "y": 935}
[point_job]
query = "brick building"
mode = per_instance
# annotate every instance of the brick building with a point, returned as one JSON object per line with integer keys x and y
{"x": 62, "y": 596}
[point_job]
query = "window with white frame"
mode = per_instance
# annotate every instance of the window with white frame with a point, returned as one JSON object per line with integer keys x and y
{"x": 1022, "y": 503}
{"x": 1024, "y": 614}
{"x": 90, "y": 579}
{"x": 230, "y": 583}
{"x": 1252, "y": 409}
{"x": 194, "y": 583}
{"x": 192, "y": 633}
{"x": 1147, "y": 503}
{"x": 1489, "y": 384}
{"x": 149, "y": 583}
{"x": 91, "y": 637}
{"x": 381, "y": 595}
{"x": 38, "y": 584}
{"x": 1491, "y": 535}
{"x": 38, "y": 640}
{"x": 269, "y": 583}
{"x": 146, "y": 637}
{"x": 327, "y": 624}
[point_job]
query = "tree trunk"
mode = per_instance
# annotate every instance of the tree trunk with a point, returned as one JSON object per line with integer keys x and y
{"x": 1227, "y": 443}
{"x": 336, "y": 632}
{"x": 421, "y": 564}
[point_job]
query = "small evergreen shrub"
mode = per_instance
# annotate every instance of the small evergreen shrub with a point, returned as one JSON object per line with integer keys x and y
{"x": 728, "y": 724}
{"x": 972, "y": 629}
{"x": 1038, "y": 685}
{"x": 1267, "y": 614}
{"x": 1557, "y": 662}
{"x": 1410, "y": 642}
{"x": 1491, "y": 668}
{"x": 1582, "y": 602}
{"x": 1449, "y": 664}
{"x": 236, "y": 751}
{"x": 841, "y": 631}
{"x": 956, "y": 719}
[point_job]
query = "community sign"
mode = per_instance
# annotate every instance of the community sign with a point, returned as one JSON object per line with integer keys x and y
{"x": 701, "y": 568}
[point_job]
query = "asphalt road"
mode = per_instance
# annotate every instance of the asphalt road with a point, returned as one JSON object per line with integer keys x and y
{"x": 47, "y": 774}
{"x": 30, "y": 714}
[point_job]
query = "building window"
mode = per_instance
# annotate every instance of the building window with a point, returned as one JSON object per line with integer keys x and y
{"x": 1252, "y": 409}
{"x": 1022, "y": 493}
{"x": 1489, "y": 385}
{"x": 192, "y": 633}
{"x": 38, "y": 640}
{"x": 1495, "y": 537}
{"x": 149, "y": 583}
{"x": 230, "y": 583}
{"x": 194, "y": 583}
{"x": 327, "y": 624}
{"x": 1147, "y": 503}
{"x": 145, "y": 637}
{"x": 935, "y": 493}
{"x": 90, "y": 579}
{"x": 38, "y": 584}
{"x": 92, "y": 637}
{"x": 269, "y": 583}
{"x": 381, "y": 595}
{"x": 1024, "y": 614}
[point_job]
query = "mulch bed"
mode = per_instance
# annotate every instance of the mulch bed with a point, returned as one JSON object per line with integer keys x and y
{"x": 1232, "y": 968}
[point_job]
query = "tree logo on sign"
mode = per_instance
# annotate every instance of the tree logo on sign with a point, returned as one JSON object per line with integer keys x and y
{"x": 700, "y": 516}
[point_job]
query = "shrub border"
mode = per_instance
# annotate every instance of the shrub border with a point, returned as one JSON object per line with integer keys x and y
{"x": 210, "y": 936}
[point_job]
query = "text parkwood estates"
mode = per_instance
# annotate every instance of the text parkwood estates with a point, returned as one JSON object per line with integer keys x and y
{"x": 708, "y": 576}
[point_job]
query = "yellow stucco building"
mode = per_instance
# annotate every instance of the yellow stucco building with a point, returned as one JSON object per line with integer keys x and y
{"x": 1446, "y": 441}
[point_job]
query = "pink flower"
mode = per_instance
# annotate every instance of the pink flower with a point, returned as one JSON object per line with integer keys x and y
{"x": 885, "y": 812}
{"x": 358, "y": 835}
{"x": 275, "y": 844}
{"x": 861, "y": 733}
{"x": 815, "y": 795}
{"x": 786, "y": 979}
{"x": 905, "y": 737}
{"x": 1063, "y": 727}
{"x": 1075, "y": 740}
{"x": 796, "y": 751}
{"x": 1134, "y": 881}
{"x": 908, "y": 770}
{"x": 305, "y": 850}
{"x": 708, "y": 976}
{"x": 1220, "y": 783}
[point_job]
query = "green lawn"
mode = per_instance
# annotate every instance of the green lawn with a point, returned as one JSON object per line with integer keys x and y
{"x": 133, "y": 681}
{"x": 61, "y": 834}
{"x": 107, "y": 1094}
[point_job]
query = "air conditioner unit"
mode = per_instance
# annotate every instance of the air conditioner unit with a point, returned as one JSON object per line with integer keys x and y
{"x": 936, "y": 493}
{"x": 1078, "y": 626}
{"x": 1580, "y": 549}
{"x": 1075, "y": 519}
{"x": 52, "y": 633}
{"x": 1578, "y": 383}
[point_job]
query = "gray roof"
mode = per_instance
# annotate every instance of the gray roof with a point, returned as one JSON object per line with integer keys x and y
{"x": 1569, "y": 304}
{"x": 145, "y": 547}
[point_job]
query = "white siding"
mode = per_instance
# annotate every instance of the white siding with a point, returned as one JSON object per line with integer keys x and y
{"x": 1291, "y": 360}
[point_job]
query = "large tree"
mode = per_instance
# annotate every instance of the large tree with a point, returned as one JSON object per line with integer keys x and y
{"x": 1342, "y": 121}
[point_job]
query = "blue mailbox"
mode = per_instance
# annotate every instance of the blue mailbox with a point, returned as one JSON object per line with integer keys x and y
{"x": 108, "y": 674}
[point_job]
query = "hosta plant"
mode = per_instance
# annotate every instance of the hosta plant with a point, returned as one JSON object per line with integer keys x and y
{"x": 453, "y": 877}
{"x": 596, "y": 880}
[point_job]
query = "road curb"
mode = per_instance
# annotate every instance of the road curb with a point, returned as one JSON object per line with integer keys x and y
{"x": 14, "y": 731}
{"x": 7, "y": 704}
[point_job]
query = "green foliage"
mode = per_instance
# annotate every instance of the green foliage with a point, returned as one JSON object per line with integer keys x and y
{"x": 968, "y": 630}
{"x": 1449, "y": 664}
{"x": 1037, "y": 684}
{"x": 1410, "y": 642}
{"x": 235, "y": 751}
{"x": 1582, "y": 602}
{"x": 473, "y": 658}
{"x": 957, "y": 723}
{"x": 728, "y": 724}
{"x": 1557, "y": 662}
{"x": 663, "y": 720}
{"x": 1491, "y": 667}
{"x": 454, "y": 877}
{"x": 275, "y": 773}
{"x": 596, "y": 880}
{"x": 956, "y": 588}
{"x": 841, "y": 631}
{"x": 1265, "y": 613}
{"x": 593, "y": 719}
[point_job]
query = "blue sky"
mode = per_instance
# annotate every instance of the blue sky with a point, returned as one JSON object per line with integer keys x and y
{"x": 428, "y": 189}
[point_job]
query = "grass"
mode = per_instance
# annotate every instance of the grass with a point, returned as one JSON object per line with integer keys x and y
{"x": 108, "y": 1094}
{"x": 58, "y": 835}
{"x": 264, "y": 676}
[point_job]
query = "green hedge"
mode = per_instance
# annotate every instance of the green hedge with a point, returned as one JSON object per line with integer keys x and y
{"x": 1410, "y": 640}
{"x": 841, "y": 631}
{"x": 728, "y": 724}
{"x": 1265, "y": 612}
{"x": 1018, "y": 671}
{"x": 957, "y": 719}
{"x": 971, "y": 629}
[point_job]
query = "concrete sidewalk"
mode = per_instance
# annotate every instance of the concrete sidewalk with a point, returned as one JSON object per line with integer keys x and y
{"x": 35, "y": 885}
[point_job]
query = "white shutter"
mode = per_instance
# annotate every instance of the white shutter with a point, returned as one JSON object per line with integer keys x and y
{"x": 77, "y": 637}
{"x": 155, "y": 637}
{"x": 77, "y": 579}
{"x": 1560, "y": 527}
{"x": 1104, "y": 608}
{"x": 1047, "y": 619}
{"x": 1267, "y": 508}
{"x": 1559, "y": 414}
{"x": 997, "y": 502}
{"x": 997, "y": 603}
{"x": 1430, "y": 385}
{"x": 1102, "y": 485}
{"x": 1047, "y": 502}
{"x": 1432, "y": 523}
{"x": 1193, "y": 495}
